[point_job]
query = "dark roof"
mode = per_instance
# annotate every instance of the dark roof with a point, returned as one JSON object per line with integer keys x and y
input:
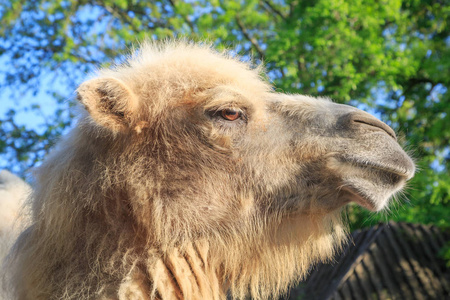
{"x": 388, "y": 261}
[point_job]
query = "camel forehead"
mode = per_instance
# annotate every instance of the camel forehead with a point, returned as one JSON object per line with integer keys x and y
{"x": 174, "y": 71}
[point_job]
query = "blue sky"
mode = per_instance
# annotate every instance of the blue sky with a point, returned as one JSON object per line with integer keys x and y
{"x": 21, "y": 101}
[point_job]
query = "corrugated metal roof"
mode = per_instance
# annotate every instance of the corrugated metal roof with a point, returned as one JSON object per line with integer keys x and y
{"x": 388, "y": 261}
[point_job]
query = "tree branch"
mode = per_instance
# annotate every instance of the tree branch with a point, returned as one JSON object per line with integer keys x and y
{"x": 247, "y": 35}
{"x": 291, "y": 8}
{"x": 186, "y": 19}
{"x": 121, "y": 16}
{"x": 412, "y": 82}
{"x": 273, "y": 9}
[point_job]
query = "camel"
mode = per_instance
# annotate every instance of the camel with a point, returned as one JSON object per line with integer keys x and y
{"x": 13, "y": 194}
{"x": 188, "y": 177}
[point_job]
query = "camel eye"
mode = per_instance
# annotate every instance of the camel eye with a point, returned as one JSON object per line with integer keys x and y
{"x": 230, "y": 114}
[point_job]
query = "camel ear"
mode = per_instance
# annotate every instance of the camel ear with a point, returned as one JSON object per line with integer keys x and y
{"x": 109, "y": 102}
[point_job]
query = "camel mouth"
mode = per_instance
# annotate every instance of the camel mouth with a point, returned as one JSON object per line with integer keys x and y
{"x": 373, "y": 184}
{"x": 369, "y": 199}
{"x": 370, "y": 184}
{"x": 353, "y": 194}
{"x": 396, "y": 173}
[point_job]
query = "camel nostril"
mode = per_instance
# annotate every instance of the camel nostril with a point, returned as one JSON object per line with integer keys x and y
{"x": 372, "y": 121}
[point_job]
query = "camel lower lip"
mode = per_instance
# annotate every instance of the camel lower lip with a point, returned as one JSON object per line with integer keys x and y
{"x": 360, "y": 199}
{"x": 366, "y": 183}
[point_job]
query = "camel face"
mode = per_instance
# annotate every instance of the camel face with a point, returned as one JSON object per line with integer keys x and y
{"x": 219, "y": 143}
{"x": 320, "y": 155}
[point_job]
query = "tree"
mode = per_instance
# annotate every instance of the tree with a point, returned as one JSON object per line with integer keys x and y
{"x": 389, "y": 57}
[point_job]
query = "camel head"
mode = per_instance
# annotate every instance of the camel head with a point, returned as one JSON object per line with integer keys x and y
{"x": 220, "y": 143}
{"x": 208, "y": 151}
{"x": 187, "y": 176}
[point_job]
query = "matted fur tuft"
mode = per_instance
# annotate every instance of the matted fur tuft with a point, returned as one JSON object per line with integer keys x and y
{"x": 154, "y": 195}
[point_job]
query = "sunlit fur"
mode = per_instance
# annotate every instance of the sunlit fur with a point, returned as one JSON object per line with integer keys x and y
{"x": 13, "y": 193}
{"x": 150, "y": 197}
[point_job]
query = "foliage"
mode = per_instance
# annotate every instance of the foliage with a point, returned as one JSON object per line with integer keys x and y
{"x": 389, "y": 57}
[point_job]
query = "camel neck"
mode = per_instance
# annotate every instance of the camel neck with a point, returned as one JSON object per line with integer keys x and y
{"x": 180, "y": 274}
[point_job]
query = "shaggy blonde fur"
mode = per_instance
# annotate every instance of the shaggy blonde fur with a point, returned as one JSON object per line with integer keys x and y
{"x": 155, "y": 195}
